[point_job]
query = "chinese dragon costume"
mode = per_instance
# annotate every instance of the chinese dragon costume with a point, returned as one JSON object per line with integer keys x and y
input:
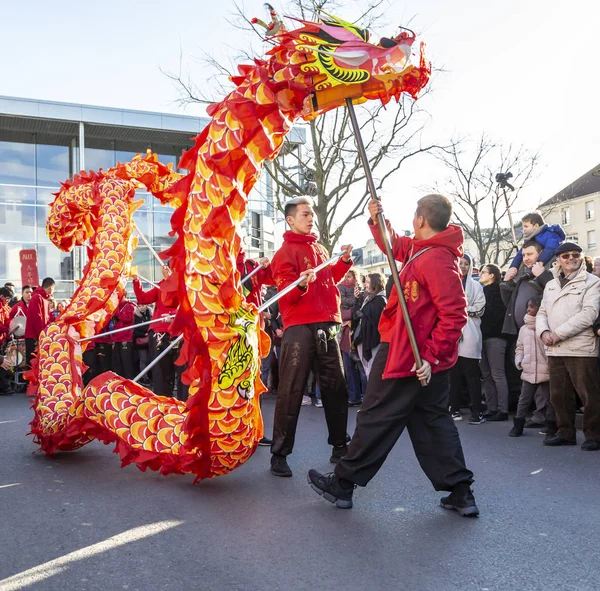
{"x": 309, "y": 70}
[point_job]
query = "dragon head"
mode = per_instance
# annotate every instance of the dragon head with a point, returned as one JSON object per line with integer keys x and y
{"x": 317, "y": 66}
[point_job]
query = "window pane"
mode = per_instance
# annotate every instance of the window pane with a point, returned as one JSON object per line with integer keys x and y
{"x": 17, "y": 194}
{"x": 162, "y": 227}
{"x": 45, "y": 196}
{"x": 96, "y": 158}
{"x": 51, "y": 262}
{"x": 10, "y": 265}
{"x": 17, "y": 163}
{"x": 17, "y": 223}
{"x": 142, "y": 220}
{"x": 41, "y": 213}
{"x": 53, "y": 166}
{"x": 146, "y": 266}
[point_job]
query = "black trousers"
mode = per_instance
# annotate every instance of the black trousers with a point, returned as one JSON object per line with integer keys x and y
{"x": 89, "y": 358}
{"x": 30, "y": 347}
{"x": 469, "y": 370}
{"x": 104, "y": 360}
{"x": 391, "y": 405}
{"x": 299, "y": 351}
{"x": 123, "y": 360}
{"x": 163, "y": 373}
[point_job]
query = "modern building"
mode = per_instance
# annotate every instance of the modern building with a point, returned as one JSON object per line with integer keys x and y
{"x": 43, "y": 143}
{"x": 575, "y": 207}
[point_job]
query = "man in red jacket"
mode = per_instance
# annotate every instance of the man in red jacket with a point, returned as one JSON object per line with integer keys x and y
{"x": 311, "y": 319}
{"x": 38, "y": 316}
{"x": 395, "y": 397}
{"x": 124, "y": 316}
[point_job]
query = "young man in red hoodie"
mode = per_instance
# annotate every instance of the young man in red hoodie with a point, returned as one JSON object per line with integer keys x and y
{"x": 311, "y": 319}
{"x": 395, "y": 397}
{"x": 38, "y": 316}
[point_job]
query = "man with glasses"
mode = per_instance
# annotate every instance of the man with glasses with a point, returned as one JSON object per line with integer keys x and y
{"x": 565, "y": 325}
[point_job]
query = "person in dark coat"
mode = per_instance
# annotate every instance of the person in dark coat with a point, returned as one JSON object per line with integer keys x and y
{"x": 366, "y": 336}
{"x": 493, "y": 374}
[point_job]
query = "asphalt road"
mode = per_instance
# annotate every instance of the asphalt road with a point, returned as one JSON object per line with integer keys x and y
{"x": 79, "y": 522}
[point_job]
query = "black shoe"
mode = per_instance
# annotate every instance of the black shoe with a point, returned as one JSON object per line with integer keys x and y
{"x": 359, "y": 403}
{"x": 517, "y": 429}
{"x": 549, "y": 429}
{"x": 329, "y": 487}
{"x": 279, "y": 466}
{"x": 590, "y": 445}
{"x": 265, "y": 441}
{"x": 531, "y": 424}
{"x": 499, "y": 416}
{"x": 555, "y": 441}
{"x": 461, "y": 499}
{"x": 476, "y": 420}
{"x": 491, "y": 413}
{"x": 339, "y": 451}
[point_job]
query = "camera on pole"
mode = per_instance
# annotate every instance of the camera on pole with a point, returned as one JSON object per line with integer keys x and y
{"x": 502, "y": 180}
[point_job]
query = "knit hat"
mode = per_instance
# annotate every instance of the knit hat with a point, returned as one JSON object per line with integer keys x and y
{"x": 568, "y": 247}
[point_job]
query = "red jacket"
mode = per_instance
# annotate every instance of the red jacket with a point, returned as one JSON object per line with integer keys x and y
{"x": 320, "y": 300}
{"x": 19, "y": 309}
{"x": 252, "y": 288}
{"x": 4, "y": 322}
{"x": 154, "y": 296}
{"x": 435, "y": 298}
{"x": 38, "y": 313}
{"x": 124, "y": 316}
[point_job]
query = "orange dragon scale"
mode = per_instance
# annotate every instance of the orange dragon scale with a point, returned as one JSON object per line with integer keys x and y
{"x": 309, "y": 70}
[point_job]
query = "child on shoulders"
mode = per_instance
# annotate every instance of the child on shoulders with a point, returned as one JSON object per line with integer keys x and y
{"x": 550, "y": 237}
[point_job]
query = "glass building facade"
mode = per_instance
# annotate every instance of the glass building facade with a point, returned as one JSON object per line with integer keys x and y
{"x": 44, "y": 143}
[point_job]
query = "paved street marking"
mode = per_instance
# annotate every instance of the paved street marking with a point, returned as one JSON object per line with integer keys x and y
{"x": 58, "y": 565}
{"x": 9, "y": 485}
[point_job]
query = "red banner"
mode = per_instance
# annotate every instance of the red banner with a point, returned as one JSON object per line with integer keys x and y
{"x": 29, "y": 268}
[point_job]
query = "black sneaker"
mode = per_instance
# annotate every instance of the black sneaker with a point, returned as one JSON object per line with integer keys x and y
{"x": 279, "y": 466}
{"x": 555, "y": 441}
{"x": 339, "y": 451}
{"x": 329, "y": 487}
{"x": 476, "y": 420}
{"x": 265, "y": 441}
{"x": 590, "y": 445}
{"x": 499, "y": 416}
{"x": 461, "y": 499}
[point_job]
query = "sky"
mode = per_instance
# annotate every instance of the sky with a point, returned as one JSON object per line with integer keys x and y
{"x": 521, "y": 71}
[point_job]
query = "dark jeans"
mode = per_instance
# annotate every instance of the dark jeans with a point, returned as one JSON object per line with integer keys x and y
{"x": 469, "y": 370}
{"x": 391, "y": 405}
{"x": 353, "y": 378}
{"x": 123, "y": 360}
{"x": 567, "y": 376}
{"x": 299, "y": 352}
{"x": 163, "y": 373}
{"x": 493, "y": 374}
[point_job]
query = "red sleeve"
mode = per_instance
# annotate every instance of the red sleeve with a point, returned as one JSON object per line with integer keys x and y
{"x": 400, "y": 244}
{"x": 265, "y": 277}
{"x": 445, "y": 288}
{"x": 285, "y": 271}
{"x": 35, "y": 315}
{"x": 340, "y": 269}
{"x": 145, "y": 297}
{"x": 4, "y": 322}
{"x": 14, "y": 310}
{"x": 126, "y": 313}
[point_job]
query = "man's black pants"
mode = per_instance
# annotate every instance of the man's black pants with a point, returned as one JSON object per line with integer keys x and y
{"x": 123, "y": 360}
{"x": 30, "y": 347}
{"x": 300, "y": 352}
{"x": 391, "y": 405}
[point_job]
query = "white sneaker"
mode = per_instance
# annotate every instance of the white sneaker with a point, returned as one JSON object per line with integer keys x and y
{"x": 319, "y": 403}
{"x": 457, "y": 416}
{"x": 306, "y": 401}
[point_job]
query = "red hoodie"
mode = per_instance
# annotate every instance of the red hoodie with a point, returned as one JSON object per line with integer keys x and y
{"x": 38, "y": 313}
{"x": 19, "y": 309}
{"x": 154, "y": 296}
{"x": 124, "y": 316}
{"x": 435, "y": 299}
{"x": 320, "y": 300}
{"x": 4, "y": 322}
{"x": 253, "y": 287}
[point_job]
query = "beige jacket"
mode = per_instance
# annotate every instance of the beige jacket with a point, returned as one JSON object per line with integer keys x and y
{"x": 570, "y": 312}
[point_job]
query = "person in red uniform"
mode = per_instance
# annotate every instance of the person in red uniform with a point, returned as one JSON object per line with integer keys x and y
{"x": 38, "y": 316}
{"x": 20, "y": 308}
{"x": 124, "y": 317}
{"x": 396, "y": 397}
{"x": 164, "y": 372}
{"x": 311, "y": 319}
{"x": 5, "y": 297}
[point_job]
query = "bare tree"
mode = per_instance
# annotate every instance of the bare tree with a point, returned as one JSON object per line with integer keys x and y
{"x": 480, "y": 207}
{"x": 328, "y": 166}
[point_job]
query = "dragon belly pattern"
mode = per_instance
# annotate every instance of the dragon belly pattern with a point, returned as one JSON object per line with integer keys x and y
{"x": 219, "y": 426}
